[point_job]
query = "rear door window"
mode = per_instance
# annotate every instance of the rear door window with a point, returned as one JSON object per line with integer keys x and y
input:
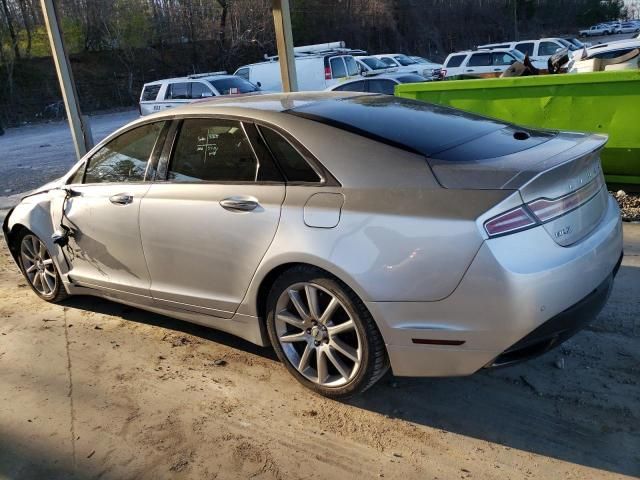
{"x": 526, "y": 48}
{"x": 125, "y": 158}
{"x": 150, "y": 93}
{"x": 381, "y": 86}
{"x": 358, "y": 86}
{"x": 212, "y": 150}
{"x": 501, "y": 59}
{"x": 243, "y": 72}
{"x": 480, "y": 60}
{"x": 548, "y": 48}
{"x": 200, "y": 90}
{"x": 338, "y": 69}
{"x": 179, "y": 91}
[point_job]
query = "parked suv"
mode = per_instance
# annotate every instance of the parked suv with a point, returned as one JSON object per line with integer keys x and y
{"x": 174, "y": 92}
{"x": 481, "y": 63}
{"x": 539, "y": 51}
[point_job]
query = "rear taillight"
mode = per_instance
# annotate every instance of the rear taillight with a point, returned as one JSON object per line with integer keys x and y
{"x": 443, "y": 73}
{"x": 541, "y": 210}
{"x": 510, "y": 222}
{"x": 327, "y": 73}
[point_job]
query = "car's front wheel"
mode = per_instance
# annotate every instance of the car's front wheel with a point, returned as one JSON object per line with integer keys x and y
{"x": 324, "y": 334}
{"x": 39, "y": 269}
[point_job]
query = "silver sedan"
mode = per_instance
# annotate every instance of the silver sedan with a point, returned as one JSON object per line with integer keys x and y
{"x": 351, "y": 232}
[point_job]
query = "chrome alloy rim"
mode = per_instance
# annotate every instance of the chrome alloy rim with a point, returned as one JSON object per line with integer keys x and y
{"x": 318, "y": 335}
{"x": 38, "y": 265}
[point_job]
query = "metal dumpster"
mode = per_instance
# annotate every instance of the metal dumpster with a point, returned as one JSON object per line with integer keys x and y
{"x": 602, "y": 102}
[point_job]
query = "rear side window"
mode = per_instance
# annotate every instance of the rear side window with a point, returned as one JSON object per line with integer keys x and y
{"x": 480, "y": 60}
{"x": 150, "y": 93}
{"x": 212, "y": 150}
{"x": 351, "y": 87}
{"x": 337, "y": 67}
{"x": 526, "y": 48}
{"x": 178, "y": 91}
{"x": 455, "y": 61}
{"x": 381, "y": 86}
{"x": 295, "y": 167}
{"x": 125, "y": 158}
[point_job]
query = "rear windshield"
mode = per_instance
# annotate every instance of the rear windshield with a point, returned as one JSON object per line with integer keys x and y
{"x": 418, "y": 127}
{"x": 374, "y": 63}
{"x": 224, "y": 85}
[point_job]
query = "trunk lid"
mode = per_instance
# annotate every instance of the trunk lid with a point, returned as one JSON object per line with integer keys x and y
{"x": 559, "y": 179}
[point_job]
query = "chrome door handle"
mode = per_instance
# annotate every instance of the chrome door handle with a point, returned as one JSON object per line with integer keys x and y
{"x": 121, "y": 199}
{"x": 239, "y": 204}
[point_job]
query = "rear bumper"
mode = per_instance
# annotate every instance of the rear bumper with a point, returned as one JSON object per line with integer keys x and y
{"x": 560, "y": 328}
{"x": 515, "y": 286}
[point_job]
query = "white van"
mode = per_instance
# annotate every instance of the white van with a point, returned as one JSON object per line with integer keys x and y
{"x": 318, "y": 67}
{"x": 173, "y": 92}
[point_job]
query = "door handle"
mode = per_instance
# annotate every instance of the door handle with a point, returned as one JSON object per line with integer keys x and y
{"x": 121, "y": 199}
{"x": 471, "y": 70}
{"x": 239, "y": 204}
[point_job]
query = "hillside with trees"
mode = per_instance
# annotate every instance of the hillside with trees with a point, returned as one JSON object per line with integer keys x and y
{"x": 117, "y": 45}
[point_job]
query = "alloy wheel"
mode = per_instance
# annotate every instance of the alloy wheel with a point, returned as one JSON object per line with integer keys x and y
{"x": 38, "y": 265}
{"x": 318, "y": 335}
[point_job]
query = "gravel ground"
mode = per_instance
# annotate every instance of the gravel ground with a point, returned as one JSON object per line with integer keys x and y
{"x": 629, "y": 205}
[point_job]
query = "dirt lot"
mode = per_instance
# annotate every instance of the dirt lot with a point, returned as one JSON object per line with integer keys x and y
{"x": 92, "y": 389}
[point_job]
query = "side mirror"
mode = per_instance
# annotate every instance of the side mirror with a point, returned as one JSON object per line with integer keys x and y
{"x": 258, "y": 84}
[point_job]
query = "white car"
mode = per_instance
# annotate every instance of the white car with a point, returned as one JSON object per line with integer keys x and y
{"x": 481, "y": 63}
{"x": 607, "y": 51}
{"x": 174, "y": 92}
{"x": 384, "y": 83}
{"x": 318, "y": 67}
{"x": 539, "y": 51}
{"x": 596, "y": 31}
{"x": 627, "y": 27}
{"x": 406, "y": 64}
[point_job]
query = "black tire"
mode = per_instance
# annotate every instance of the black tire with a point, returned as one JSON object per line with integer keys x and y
{"x": 58, "y": 292}
{"x": 374, "y": 362}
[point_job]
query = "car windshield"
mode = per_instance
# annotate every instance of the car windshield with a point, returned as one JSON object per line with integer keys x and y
{"x": 374, "y": 63}
{"x": 225, "y": 85}
{"x": 568, "y": 44}
{"x": 576, "y": 42}
{"x": 518, "y": 54}
{"x": 404, "y": 60}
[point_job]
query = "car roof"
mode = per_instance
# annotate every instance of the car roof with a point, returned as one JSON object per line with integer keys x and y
{"x": 602, "y": 47}
{"x": 192, "y": 79}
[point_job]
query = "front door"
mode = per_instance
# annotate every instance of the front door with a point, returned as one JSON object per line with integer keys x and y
{"x": 206, "y": 228}
{"x": 105, "y": 250}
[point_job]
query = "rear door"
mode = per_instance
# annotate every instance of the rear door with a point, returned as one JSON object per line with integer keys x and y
{"x": 480, "y": 65}
{"x": 211, "y": 215}
{"x": 103, "y": 213}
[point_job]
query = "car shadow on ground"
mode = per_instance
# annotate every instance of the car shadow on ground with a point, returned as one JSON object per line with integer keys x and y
{"x": 535, "y": 406}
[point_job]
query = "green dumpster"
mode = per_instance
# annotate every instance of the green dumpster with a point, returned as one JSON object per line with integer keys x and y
{"x": 602, "y": 102}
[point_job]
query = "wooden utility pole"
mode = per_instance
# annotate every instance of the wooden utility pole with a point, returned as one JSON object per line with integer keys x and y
{"x": 284, "y": 41}
{"x": 80, "y": 131}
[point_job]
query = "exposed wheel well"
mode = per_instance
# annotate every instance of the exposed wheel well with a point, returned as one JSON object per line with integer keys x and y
{"x": 12, "y": 236}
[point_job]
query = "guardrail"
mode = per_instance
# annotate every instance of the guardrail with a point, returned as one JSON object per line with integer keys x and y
{"x": 602, "y": 102}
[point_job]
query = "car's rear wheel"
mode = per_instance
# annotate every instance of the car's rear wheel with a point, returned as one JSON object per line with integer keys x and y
{"x": 39, "y": 268}
{"x": 324, "y": 334}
